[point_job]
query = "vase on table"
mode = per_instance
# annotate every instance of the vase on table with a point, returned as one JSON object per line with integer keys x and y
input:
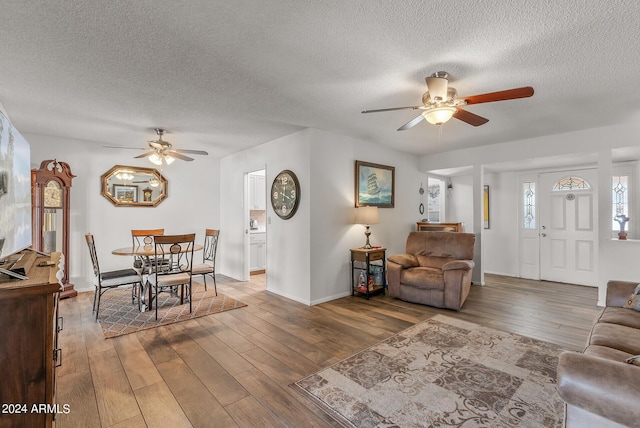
{"x": 622, "y": 236}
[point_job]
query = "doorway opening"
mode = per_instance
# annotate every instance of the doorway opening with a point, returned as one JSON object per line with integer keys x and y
{"x": 257, "y": 220}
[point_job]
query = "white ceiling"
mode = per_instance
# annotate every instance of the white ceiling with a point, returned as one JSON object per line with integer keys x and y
{"x": 226, "y": 75}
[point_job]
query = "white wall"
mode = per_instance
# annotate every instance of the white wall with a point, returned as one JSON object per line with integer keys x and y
{"x": 191, "y": 206}
{"x": 460, "y": 202}
{"x": 332, "y": 208}
{"x": 308, "y": 255}
{"x": 287, "y": 271}
{"x": 501, "y": 239}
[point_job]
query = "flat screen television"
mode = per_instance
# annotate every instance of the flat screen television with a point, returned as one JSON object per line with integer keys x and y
{"x": 15, "y": 190}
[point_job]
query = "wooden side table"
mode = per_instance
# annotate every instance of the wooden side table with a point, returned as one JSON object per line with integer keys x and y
{"x": 361, "y": 259}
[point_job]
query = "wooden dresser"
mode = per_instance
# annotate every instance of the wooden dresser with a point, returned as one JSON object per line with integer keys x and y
{"x": 28, "y": 341}
{"x": 439, "y": 227}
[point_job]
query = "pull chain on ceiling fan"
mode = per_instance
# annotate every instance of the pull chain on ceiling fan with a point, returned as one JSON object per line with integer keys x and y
{"x": 440, "y": 103}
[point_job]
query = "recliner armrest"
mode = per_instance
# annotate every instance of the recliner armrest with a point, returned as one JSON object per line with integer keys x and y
{"x": 604, "y": 387}
{"x": 458, "y": 264}
{"x": 405, "y": 260}
{"x": 618, "y": 292}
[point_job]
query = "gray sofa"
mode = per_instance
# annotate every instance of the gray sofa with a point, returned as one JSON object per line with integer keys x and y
{"x": 435, "y": 270}
{"x": 598, "y": 387}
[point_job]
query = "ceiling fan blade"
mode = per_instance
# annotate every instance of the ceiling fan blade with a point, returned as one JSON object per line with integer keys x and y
{"x": 123, "y": 147}
{"x": 413, "y": 122}
{"x": 470, "y": 118}
{"x": 392, "y": 109}
{"x": 177, "y": 155}
{"x": 145, "y": 155}
{"x": 509, "y": 94}
{"x": 194, "y": 152}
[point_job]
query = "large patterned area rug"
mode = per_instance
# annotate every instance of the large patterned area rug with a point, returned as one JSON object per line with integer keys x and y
{"x": 443, "y": 372}
{"x": 119, "y": 316}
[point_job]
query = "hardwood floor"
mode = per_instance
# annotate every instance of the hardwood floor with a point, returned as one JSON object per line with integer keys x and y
{"x": 234, "y": 368}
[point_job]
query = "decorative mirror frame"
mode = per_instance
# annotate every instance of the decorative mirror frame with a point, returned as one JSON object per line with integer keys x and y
{"x": 138, "y": 201}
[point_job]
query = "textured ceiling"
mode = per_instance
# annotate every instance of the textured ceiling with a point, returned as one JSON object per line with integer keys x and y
{"x": 226, "y": 75}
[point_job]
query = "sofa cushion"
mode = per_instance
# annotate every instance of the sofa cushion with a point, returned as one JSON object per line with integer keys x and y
{"x": 450, "y": 245}
{"x": 633, "y": 302}
{"x": 620, "y": 316}
{"x": 404, "y": 260}
{"x": 620, "y": 337}
{"x": 606, "y": 353}
{"x": 432, "y": 261}
{"x": 423, "y": 277}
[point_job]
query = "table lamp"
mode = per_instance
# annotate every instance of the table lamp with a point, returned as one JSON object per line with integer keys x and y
{"x": 367, "y": 216}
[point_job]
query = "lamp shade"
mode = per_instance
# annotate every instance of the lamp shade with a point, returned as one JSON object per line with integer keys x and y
{"x": 155, "y": 159}
{"x": 367, "y": 215}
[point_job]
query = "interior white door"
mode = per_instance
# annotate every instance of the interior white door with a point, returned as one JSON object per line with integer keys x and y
{"x": 568, "y": 229}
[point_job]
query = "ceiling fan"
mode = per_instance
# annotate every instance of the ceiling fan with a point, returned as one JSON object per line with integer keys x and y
{"x": 161, "y": 151}
{"x": 440, "y": 103}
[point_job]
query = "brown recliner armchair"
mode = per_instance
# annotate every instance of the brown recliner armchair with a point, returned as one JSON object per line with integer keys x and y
{"x": 435, "y": 271}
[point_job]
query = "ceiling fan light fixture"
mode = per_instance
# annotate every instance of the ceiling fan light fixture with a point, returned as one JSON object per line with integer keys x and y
{"x": 439, "y": 115}
{"x": 169, "y": 159}
{"x": 155, "y": 159}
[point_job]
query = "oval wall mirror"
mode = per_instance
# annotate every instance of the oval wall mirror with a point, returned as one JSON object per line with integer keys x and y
{"x": 132, "y": 186}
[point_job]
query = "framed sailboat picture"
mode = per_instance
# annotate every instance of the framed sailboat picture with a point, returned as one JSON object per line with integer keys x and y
{"x": 374, "y": 185}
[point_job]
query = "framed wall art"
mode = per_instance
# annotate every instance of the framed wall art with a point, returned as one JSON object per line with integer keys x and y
{"x": 374, "y": 185}
{"x": 125, "y": 193}
{"x": 485, "y": 198}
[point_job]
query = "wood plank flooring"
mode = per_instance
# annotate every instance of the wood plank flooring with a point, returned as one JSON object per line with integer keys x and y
{"x": 233, "y": 368}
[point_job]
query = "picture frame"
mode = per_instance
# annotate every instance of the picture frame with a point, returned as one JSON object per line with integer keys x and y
{"x": 125, "y": 193}
{"x": 374, "y": 185}
{"x": 485, "y": 199}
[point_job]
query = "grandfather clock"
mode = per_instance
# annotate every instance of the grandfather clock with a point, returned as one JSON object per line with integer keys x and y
{"x": 50, "y": 187}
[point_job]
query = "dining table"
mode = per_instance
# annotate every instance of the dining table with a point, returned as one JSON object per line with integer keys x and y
{"x": 148, "y": 251}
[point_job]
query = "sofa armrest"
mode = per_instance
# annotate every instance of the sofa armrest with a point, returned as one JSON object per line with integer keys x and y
{"x": 458, "y": 264}
{"x": 618, "y": 292}
{"x": 605, "y": 387}
{"x": 405, "y": 260}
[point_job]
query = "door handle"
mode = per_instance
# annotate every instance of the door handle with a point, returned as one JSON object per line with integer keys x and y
{"x": 544, "y": 235}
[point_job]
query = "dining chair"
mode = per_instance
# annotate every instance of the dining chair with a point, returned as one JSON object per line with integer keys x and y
{"x": 178, "y": 251}
{"x": 104, "y": 281}
{"x": 143, "y": 238}
{"x": 208, "y": 265}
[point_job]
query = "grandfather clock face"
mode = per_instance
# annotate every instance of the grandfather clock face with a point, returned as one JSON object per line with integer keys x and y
{"x": 53, "y": 195}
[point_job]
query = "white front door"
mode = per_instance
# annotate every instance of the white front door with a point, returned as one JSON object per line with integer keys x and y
{"x": 568, "y": 229}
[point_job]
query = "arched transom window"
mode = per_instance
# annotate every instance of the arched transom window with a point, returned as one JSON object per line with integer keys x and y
{"x": 571, "y": 183}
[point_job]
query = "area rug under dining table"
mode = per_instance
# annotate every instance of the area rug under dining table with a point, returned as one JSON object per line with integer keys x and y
{"x": 119, "y": 316}
{"x": 443, "y": 372}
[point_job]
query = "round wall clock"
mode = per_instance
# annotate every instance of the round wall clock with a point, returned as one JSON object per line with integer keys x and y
{"x": 285, "y": 194}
